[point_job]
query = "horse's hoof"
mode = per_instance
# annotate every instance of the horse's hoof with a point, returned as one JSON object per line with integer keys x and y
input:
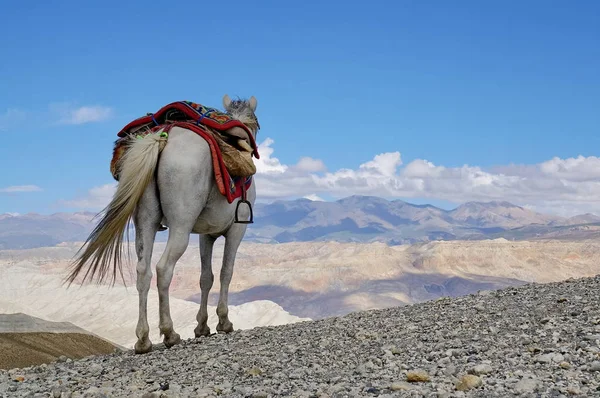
{"x": 173, "y": 339}
{"x": 226, "y": 327}
{"x": 202, "y": 331}
{"x": 143, "y": 347}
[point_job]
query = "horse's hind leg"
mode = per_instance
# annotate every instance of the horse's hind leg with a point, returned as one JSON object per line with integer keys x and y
{"x": 176, "y": 246}
{"x": 146, "y": 221}
{"x": 233, "y": 238}
{"x": 206, "y": 281}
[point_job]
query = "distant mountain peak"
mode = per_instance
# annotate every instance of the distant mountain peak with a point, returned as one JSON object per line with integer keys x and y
{"x": 489, "y": 204}
{"x": 356, "y": 218}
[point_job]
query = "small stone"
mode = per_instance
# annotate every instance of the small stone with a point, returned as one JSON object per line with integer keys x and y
{"x": 526, "y": 385}
{"x": 95, "y": 369}
{"x": 450, "y": 370}
{"x": 92, "y": 392}
{"x": 56, "y": 393}
{"x": 565, "y": 365}
{"x": 260, "y": 394}
{"x": 594, "y": 366}
{"x": 468, "y": 382}
{"x": 254, "y": 371}
{"x": 298, "y": 374}
{"x": 545, "y": 358}
{"x": 221, "y": 388}
{"x": 558, "y": 358}
{"x": 592, "y": 337}
{"x": 417, "y": 376}
{"x": 18, "y": 379}
{"x": 204, "y": 393}
{"x": 401, "y": 386}
{"x": 454, "y": 353}
{"x": 444, "y": 362}
{"x": 481, "y": 369}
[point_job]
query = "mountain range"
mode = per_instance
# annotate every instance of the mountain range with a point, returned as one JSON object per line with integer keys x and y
{"x": 351, "y": 219}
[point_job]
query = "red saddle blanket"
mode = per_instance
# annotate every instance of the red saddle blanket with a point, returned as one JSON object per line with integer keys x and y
{"x": 192, "y": 112}
{"x": 194, "y": 117}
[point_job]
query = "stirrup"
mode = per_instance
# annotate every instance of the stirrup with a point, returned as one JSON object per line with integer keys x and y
{"x": 237, "y": 220}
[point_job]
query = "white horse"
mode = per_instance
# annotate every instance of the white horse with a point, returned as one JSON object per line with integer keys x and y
{"x": 170, "y": 182}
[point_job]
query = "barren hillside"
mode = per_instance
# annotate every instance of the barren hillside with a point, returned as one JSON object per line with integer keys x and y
{"x": 27, "y": 341}
{"x": 317, "y": 279}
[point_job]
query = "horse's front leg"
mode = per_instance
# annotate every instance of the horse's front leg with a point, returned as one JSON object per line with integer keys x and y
{"x": 206, "y": 282}
{"x": 176, "y": 246}
{"x": 233, "y": 238}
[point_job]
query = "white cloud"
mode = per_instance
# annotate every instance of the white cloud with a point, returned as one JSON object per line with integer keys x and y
{"x": 57, "y": 112}
{"x": 20, "y": 188}
{"x": 96, "y": 199}
{"x": 69, "y": 114}
{"x": 267, "y": 164}
{"x": 310, "y": 165}
{"x": 575, "y": 169}
{"x": 422, "y": 169}
{"x": 561, "y": 186}
{"x": 384, "y": 164}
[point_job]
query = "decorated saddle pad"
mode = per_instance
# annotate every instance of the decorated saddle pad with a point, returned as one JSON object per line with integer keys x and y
{"x": 197, "y": 118}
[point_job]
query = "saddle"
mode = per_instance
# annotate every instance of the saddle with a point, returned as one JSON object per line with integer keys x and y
{"x": 231, "y": 142}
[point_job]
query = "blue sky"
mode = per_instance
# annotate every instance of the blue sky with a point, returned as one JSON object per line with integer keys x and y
{"x": 501, "y": 87}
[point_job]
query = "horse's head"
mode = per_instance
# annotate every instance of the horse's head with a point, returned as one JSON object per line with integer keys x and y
{"x": 243, "y": 110}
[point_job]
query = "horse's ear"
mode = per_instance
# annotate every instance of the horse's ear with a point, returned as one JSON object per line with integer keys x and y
{"x": 226, "y": 101}
{"x": 253, "y": 103}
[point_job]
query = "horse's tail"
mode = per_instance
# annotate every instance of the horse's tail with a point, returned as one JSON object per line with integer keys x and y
{"x": 137, "y": 168}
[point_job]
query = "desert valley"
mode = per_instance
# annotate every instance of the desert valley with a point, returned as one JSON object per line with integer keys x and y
{"x": 334, "y": 258}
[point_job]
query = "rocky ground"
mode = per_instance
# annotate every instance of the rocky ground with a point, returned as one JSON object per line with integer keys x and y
{"x": 540, "y": 340}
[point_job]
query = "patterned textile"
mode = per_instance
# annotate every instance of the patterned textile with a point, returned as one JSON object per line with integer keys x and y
{"x": 187, "y": 111}
{"x": 195, "y": 117}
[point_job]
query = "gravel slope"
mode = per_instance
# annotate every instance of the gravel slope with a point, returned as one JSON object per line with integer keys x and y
{"x": 531, "y": 341}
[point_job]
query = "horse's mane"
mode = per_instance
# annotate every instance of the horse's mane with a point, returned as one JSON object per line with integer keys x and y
{"x": 240, "y": 109}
